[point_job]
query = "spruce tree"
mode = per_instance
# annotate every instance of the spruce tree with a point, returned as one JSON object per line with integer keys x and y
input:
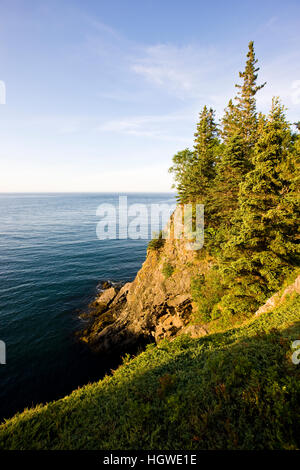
{"x": 239, "y": 133}
{"x": 230, "y": 122}
{"x": 195, "y": 171}
{"x": 241, "y": 117}
{"x": 246, "y": 101}
{"x": 263, "y": 248}
{"x": 230, "y": 173}
{"x": 206, "y": 146}
{"x": 182, "y": 173}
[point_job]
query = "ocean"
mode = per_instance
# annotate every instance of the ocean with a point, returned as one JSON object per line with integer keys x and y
{"x": 51, "y": 266}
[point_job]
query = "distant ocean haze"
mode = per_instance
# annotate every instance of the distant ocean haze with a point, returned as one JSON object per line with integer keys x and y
{"x": 51, "y": 263}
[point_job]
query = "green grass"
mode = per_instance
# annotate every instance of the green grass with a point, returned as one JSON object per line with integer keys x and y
{"x": 232, "y": 390}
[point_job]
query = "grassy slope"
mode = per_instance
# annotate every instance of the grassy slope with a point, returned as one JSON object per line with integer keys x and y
{"x": 237, "y": 389}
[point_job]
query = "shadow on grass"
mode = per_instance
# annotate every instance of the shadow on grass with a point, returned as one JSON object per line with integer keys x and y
{"x": 237, "y": 390}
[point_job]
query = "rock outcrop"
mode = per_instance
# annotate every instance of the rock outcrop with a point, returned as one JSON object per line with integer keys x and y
{"x": 156, "y": 305}
{"x": 278, "y": 298}
{"x": 106, "y": 296}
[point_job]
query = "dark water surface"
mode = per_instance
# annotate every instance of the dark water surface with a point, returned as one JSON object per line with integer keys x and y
{"x": 51, "y": 263}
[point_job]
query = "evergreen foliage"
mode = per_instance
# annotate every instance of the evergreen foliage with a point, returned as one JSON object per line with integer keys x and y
{"x": 194, "y": 171}
{"x": 246, "y": 102}
{"x": 157, "y": 242}
{"x": 230, "y": 172}
{"x": 182, "y": 170}
{"x": 247, "y": 176}
{"x": 263, "y": 246}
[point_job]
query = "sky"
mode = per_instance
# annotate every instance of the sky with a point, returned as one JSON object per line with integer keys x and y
{"x": 99, "y": 95}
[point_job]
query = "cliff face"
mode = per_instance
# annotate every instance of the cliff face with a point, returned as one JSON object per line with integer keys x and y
{"x": 156, "y": 305}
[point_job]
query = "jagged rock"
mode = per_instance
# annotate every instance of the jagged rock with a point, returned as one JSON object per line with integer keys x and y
{"x": 106, "y": 296}
{"x": 194, "y": 331}
{"x": 153, "y": 305}
{"x": 167, "y": 326}
{"x": 178, "y": 300}
{"x": 106, "y": 284}
{"x": 278, "y": 298}
{"x": 122, "y": 294}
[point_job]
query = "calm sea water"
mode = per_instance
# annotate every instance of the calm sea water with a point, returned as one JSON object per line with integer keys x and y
{"x": 51, "y": 263}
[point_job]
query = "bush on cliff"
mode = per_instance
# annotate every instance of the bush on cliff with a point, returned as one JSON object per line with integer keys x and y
{"x": 157, "y": 242}
{"x": 167, "y": 270}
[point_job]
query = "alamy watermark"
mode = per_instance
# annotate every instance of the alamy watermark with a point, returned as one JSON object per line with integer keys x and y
{"x": 295, "y": 93}
{"x": 2, "y": 92}
{"x": 2, "y": 352}
{"x": 296, "y": 353}
{"x": 146, "y": 221}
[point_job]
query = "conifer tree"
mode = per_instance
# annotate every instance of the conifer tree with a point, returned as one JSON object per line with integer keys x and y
{"x": 194, "y": 171}
{"x": 182, "y": 173}
{"x": 250, "y": 186}
{"x": 241, "y": 116}
{"x": 263, "y": 248}
{"x": 206, "y": 146}
{"x": 246, "y": 101}
{"x": 230, "y": 122}
{"x": 230, "y": 173}
{"x": 239, "y": 133}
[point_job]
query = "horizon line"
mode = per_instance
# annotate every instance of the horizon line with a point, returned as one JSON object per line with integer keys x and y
{"x": 87, "y": 192}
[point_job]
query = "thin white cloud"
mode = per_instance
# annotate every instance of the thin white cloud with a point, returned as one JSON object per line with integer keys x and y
{"x": 161, "y": 75}
{"x": 207, "y": 76}
{"x": 102, "y": 27}
{"x": 158, "y": 127}
{"x": 179, "y": 70}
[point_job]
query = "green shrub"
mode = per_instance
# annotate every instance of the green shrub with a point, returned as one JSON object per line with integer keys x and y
{"x": 206, "y": 293}
{"x": 157, "y": 242}
{"x": 167, "y": 270}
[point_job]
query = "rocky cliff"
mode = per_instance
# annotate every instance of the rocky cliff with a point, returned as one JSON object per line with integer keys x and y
{"x": 156, "y": 305}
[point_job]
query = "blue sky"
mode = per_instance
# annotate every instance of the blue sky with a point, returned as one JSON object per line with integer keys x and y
{"x": 101, "y": 94}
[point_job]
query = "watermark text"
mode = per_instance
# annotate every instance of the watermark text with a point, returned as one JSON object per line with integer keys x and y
{"x": 146, "y": 221}
{"x": 2, "y": 92}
